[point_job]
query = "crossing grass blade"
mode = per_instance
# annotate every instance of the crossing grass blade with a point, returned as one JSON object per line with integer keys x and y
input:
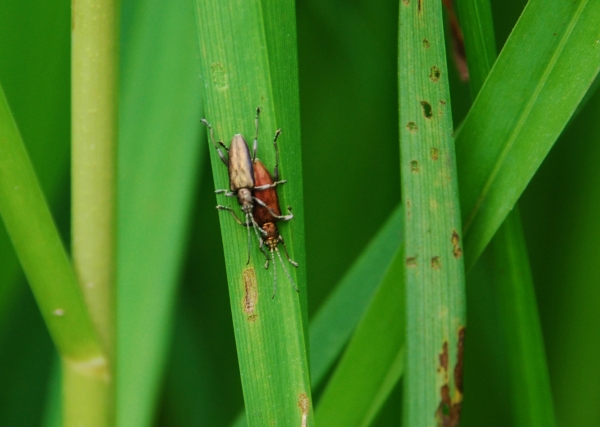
{"x": 515, "y": 121}
{"x": 364, "y": 378}
{"x": 434, "y": 273}
{"x": 40, "y": 249}
{"x": 248, "y": 60}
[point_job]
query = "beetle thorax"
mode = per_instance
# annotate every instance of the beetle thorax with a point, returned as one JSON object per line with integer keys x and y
{"x": 245, "y": 200}
{"x": 272, "y": 238}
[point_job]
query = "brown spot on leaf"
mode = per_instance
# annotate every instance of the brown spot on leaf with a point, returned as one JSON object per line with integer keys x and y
{"x": 458, "y": 369}
{"x": 448, "y": 413}
{"x": 427, "y": 110}
{"x": 406, "y": 2}
{"x": 414, "y": 166}
{"x": 411, "y": 262}
{"x": 435, "y": 74}
{"x": 444, "y": 357}
{"x": 250, "y": 293}
{"x": 412, "y": 127}
{"x": 304, "y": 405}
{"x": 420, "y": 5}
{"x": 456, "y": 250}
{"x": 426, "y": 43}
{"x": 435, "y": 263}
{"x": 435, "y": 153}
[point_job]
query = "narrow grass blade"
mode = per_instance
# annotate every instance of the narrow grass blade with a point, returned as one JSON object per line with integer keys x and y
{"x": 515, "y": 120}
{"x": 158, "y": 162}
{"x": 374, "y": 360}
{"x": 435, "y": 294}
{"x": 238, "y": 53}
{"x": 333, "y": 324}
{"x": 531, "y": 396}
{"x": 40, "y": 249}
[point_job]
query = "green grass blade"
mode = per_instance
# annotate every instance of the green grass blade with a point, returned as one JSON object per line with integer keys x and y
{"x": 514, "y": 121}
{"x": 335, "y": 321}
{"x": 238, "y": 53}
{"x": 40, "y": 249}
{"x": 531, "y": 396}
{"x": 480, "y": 45}
{"x": 574, "y": 340}
{"x": 158, "y": 162}
{"x": 364, "y": 378}
{"x": 434, "y": 273}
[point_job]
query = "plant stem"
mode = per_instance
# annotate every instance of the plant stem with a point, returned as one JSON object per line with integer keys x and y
{"x": 95, "y": 34}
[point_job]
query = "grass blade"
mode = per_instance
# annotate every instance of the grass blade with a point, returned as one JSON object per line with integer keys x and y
{"x": 530, "y": 395}
{"x": 434, "y": 273}
{"x": 514, "y": 122}
{"x": 40, "y": 249}
{"x": 364, "y": 378}
{"x": 237, "y": 51}
{"x": 333, "y": 324}
{"x": 158, "y": 162}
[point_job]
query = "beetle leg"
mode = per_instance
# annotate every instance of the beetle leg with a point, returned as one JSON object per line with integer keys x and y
{"x": 255, "y": 144}
{"x": 226, "y": 192}
{"x": 212, "y": 138}
{"x": 273, "y": 185}
{"x": 272, "y": 212}
{"x": 276, "y": 170}
{"x": 226, "y": 208}
{"x": 294, "y": 263}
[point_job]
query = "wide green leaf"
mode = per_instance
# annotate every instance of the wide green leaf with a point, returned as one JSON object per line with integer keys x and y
{"x": 434, "y": 272}
{"x": 248, "y": 60}
{"x": 521, "y": 110}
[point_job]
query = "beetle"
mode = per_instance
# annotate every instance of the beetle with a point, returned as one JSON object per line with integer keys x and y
{"x": 268, "y": 213}
{"x": 241, "y": 178}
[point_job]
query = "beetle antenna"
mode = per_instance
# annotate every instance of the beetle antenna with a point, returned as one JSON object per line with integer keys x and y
{"x": 258, "y": 231}
{"x": 274, "y": 276}
{"x": 286, "y": 270}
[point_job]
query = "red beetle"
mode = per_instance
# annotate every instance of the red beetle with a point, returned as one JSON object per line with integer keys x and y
{"x": 268, "y": 213}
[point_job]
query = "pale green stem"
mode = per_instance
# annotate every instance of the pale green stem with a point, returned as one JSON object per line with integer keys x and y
{"x": 95, "y": 35}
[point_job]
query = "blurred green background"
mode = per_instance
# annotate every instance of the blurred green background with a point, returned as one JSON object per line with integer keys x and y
{"x": 348, "y": 92}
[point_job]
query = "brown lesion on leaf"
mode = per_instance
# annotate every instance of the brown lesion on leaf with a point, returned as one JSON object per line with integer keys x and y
{"x": 411, "y": 262}
{"x": 412, "y": 127}
{"x": 435, "y": 153}
{"x": 250, "y": 293}
{"x": 444, "y": 357}
{"x": 456, "y": 249}
{"x": 304, "y": 405}
{"x": 458, "y": 369}
{"x": 427, "y": 110}
{"x": 435, "y": 263}
{"x": 406, "y": 2}
{"x": 435, "y": 74}
{"x": 414, "y": 166}
{"x": 426, "y": 43}
{"x": 448, "y": 413}
{"x": 449, "y": 408}
{"x": 420, "y": 5}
